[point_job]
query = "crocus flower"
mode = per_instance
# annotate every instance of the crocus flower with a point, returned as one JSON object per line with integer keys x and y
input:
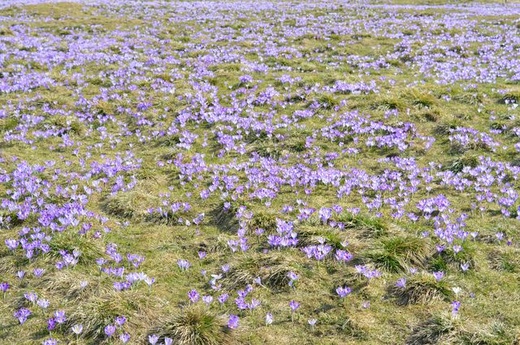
{"x": 193, "y": 295}
{"x": 438, "y": 275}
{"x": 120, "y": 320}
{"x": 153, "y": 338}
{"x": 268, "y": 319}
{"x": 43, "y": 303}
{"x": 207, "y": 299}
{"x": 223, "y": 298}
{"x": 4, "y": 286}
{"x": 110, "y": 330}
{"x": 233, "y": 321}
{"x": 59, "y": 316}
{"x": 455, "y": 308}
{"x": 183, "y": 264}
{"x": 294, "y": 305}
{"x": 77, "y": 329}
{"x": 51, "y": 324}
{"x": 401, "y": 283}
{"x": 343, "y": 291}
{"x": 22, "y": 314}
{"x": 125, "y": 337}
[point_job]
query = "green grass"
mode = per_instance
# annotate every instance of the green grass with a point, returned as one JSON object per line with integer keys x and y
{"x": 416, "y": 314}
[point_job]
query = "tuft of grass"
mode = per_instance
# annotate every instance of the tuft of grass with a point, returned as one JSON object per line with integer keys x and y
{"x": 369, "y": 227}
{"x": 101, "y": 309}
{"x": 421, "y": 289}
{"x": 421, "y": 99}
{"x": 89, "y": 248}
{"x": 67, "y": 285}
{"x": 193, "y": 326}
{"x": 510, "y": 97}
{"x": 340, "y": 325}
{"x": 216, "y": 244}
{"x": 496, "y": 333}
{"x": 327, "y": 101}
{"x": 309, "y": 236}
{"x": 448, "y": 258}
{"x": 431, "y": 331}
{"x": 505, "y": 260}
{"x": 224, "y": 218}
{"x": 272, "y": 270}
{"x": 8, "y": 123}
{"x": 458, "y": 164}
{"x": 395, "y": 254}
{"x": 386, "y": 102}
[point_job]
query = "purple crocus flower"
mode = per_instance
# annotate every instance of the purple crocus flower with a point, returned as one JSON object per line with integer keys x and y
{"x": 223, "y": 298}
{"x": 125, "y": 337}
{"x": 152, "y": 339}
{"x": 22, "y": 314}
{"x": 343, "y": 291}
{"x": 38, "y": 272}
{"x": 438, "y": 275}
{"x": 294, "y": 305}
{"x": 120, "y": 320}
{"x": 183, "y": 264}
{"x": 59, "y": 316}
{"x": 207, "y": 299}
{"x": 110, "y": 330}
{"x": 233, "y": 321}
{"x": 51, "y": 324}
{"x": 193, "y": 295}
{"x": 31, "y": 297}
{"x": 4, "y": 286}
{"x": 325, "y": 214}
{"x": 455, "y": 308}
{"x": 401, "y": 283}
{"x": 43, "y": 303}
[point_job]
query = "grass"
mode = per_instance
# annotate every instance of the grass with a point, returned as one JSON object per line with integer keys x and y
{"x": 432, "y": 331}
{"x": 395, "y": 254}
{"x": 421, "y": 289}
{"x": 140, "y": 80}
{"x": 193, "y": 326}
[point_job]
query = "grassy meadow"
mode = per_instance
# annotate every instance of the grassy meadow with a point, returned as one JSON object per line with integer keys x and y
{"x": 287, "y": 172}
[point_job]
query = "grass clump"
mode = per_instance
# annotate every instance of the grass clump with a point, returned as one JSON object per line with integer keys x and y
{"x": 431, "y": 331}
{"x": 224, "y": 217}
{"x": 193, "y": 326}
{"x": 458, "y": 164}
{"x": 272, "y": 270}
{"x": 88, "y": 248}
{"x": 505, "y": 260}
{"x": 421, "y": 289}
{"x": 448, "y": 258}
{"x": 369, "y": 227}
{"x": 395, "y": 254}
{"x": 98, "y": 311}
{"x": 72, "y": 286}
{"x": 496, "y": 333}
